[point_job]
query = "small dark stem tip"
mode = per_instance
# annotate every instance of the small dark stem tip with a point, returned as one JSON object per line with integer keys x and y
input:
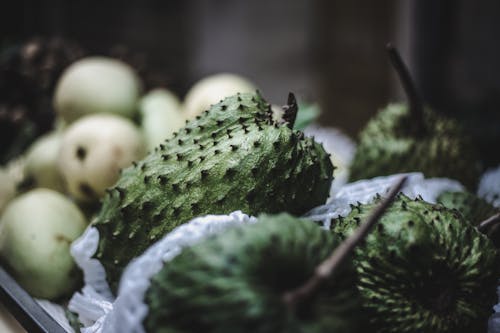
{"x": 290, "y": 110}
{"x": 328, "y": 267}
{"x": 414, "y": 100}
{"x": 486, "y": 224}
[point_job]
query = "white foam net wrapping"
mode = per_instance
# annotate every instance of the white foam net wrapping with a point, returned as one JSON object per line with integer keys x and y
{"x": 100, "y": 313}
{"x": 489, "y": 186}
{"x": 489, "y": 189}
{"x": 494, "y": 322}
{"x": 364, "y": 191}
{"x": 126, "y": 313}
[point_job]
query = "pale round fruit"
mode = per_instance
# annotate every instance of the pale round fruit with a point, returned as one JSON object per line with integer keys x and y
{"x": 161, "y": 116}
{"x": 211, "y": 89}
{"x": 93, "y": 151}
{"x": 97, "y": 85}
{"x": 40, "y": 166}
{"x": 7, "y": 188}
{"x": 36, "y": 231}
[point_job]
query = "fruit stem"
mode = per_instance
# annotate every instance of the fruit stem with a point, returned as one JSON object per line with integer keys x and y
{"x": 414, "y": 100}
{"x": 290, "y": 111}
{"x": 492, "y": 220}
{"x": 326, "y": 270}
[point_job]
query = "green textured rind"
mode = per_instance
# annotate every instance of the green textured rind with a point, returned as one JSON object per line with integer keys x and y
{"x": 234, "y": 282}
{"x": 387, "y": 147}
{"x": 233, "y": 157}
{"x": 424, "y": 269}
{"x": 474, "y": 209}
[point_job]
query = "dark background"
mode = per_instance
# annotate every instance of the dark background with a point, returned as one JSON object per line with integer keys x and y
{"x": 329, "y": 51}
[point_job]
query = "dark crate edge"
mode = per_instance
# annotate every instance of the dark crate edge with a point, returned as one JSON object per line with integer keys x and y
{"x": 24, "y": 308}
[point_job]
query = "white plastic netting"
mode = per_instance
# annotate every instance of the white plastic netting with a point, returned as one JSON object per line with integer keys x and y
{"x": 494, "y": 322}
{"x": 364, "y": 191}
{"x": 489, "y": 189}
{"x": 100, "y": 313}
{"x": 489, "y": 186}
{"x": 126, "y": 312}
{"x": 94, "y": 275}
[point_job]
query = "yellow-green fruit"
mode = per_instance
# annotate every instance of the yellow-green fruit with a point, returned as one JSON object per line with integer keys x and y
{"x": 161, "y": 115}
{"x": 93, "y": 151}
{"x": 212, "y": 89}
{"x": 36, "y": 231}
{"x": 7, "y": 188}
{"x": 97, "y": 85}
{"x": 40, "y": 167}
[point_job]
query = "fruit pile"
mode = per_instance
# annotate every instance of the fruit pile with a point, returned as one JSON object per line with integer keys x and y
{"x": 88, "y": 118}
{"x": 426, "y": 267}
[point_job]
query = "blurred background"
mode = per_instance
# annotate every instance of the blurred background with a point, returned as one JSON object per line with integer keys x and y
{"x": 331, "y": 52}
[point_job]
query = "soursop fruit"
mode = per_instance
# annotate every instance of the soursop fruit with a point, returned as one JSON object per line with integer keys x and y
{"x": 233, "y": 157}
{"x": 387, "y": 145}
{"x": 235, "y": 281}
{"x": 424, "y": 269}
{"x": 474, "y": 209}
{"x": 410, "y": 137}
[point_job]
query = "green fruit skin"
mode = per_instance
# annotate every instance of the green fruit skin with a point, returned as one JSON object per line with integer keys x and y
{"x": 234, "y": 282}
{"x": 473, "y": 209}
{"x": 386, "y": 146}
{"x": 36, "y": 231}
{"x": 231, "y": 158}
{"x": 424, "y": 269}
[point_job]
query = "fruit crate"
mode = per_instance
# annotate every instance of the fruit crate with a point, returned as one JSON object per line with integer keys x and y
{"x": 25, "y": 309}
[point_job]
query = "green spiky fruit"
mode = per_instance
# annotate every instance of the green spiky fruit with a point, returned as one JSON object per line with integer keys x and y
{"x": 406, "y": 138}
{"x": 425, "y": 269}
{"x": 474, "y": 209}
{"x": 233, "y": 157}
{"x": 234, "y": 282}
{"x": 389, "y": 145}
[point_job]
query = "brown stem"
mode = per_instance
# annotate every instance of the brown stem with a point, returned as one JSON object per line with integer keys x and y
{"x": 483, "y": 226}
{"x": 414, "y": 100}
{"x": 328, "y": 267}
{"x": 290, "y": 110}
